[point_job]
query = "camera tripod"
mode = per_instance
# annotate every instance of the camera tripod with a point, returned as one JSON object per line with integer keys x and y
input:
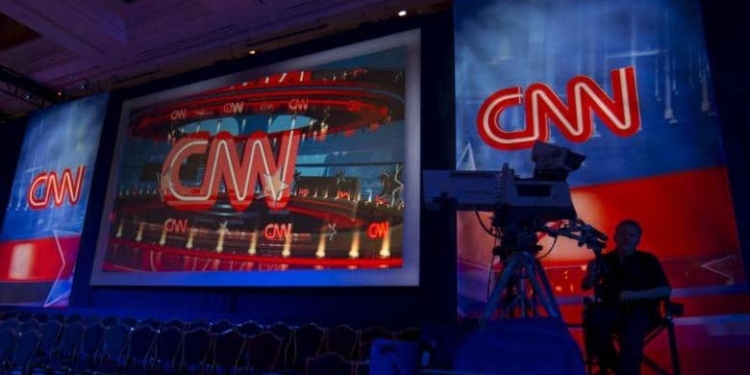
{"x": 521, "y": 290}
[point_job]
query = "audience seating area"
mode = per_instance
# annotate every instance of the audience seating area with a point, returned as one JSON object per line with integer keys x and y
{"x": 56, "y": 343}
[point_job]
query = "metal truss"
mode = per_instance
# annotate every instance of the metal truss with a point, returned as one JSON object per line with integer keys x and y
{"x": 24, "y": 88}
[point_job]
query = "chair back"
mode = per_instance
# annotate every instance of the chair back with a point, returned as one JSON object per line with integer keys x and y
{"x": 93, "y": 336}
{"x": 196, "y": 346}
{"x": 307, "y": 342}
{"x": 140, "y": 348}
{"x": 250, "y": 328}
{"x": 175, "y": 322}
{"x": 50, "y": 331}
{"x": 285, "y": 332}
{"x": 151, "y": 322}
{"x": 26, "y": 348}
{"x": 114, "y": 344}
{"x": 8, "y": 339}
{"x": 342, "y": 339}
{"x": 220, "y": 326}
{"x": 264, "y": 350}
{"x": 28, "y": 325}
{"x": 168, "y": 344}
{"x": 70, "y": 340}
{"x": 228, "y": 354}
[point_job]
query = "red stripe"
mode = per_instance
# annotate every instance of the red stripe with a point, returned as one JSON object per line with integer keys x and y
{"x": 38, "y": 259}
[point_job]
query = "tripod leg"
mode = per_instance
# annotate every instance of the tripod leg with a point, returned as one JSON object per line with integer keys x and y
{"x": 547, "y": 298}
{"x": 491, "y": 306}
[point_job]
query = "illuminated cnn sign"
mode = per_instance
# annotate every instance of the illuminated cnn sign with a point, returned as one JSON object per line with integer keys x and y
{"x": 176, "y": 225}
{"x": 240, "y": 174}
{"x": 377, "y": 230}
{"x": 48, "y": 185}
{"x": 621, "y": 113}
{"x": 277, "y": 232}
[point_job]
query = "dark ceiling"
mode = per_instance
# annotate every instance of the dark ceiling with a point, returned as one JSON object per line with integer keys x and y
{"x": 13, "y": 33}
{"x": 63, "y": 49}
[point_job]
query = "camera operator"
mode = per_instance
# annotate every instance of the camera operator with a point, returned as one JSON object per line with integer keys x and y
{"x": 629, "y": 285}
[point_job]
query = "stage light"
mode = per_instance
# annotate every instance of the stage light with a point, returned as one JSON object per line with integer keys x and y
{"x": 401, "y": 13}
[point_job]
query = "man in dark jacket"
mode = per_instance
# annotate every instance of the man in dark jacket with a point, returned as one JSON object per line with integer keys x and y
{"x": 629, "y": 285}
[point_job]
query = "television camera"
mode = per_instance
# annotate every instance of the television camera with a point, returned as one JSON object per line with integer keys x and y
{"x": 521, "y": 209}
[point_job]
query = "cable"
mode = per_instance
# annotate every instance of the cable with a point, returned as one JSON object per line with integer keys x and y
{"x": 489, "y": 230}
{"x": 550, "y": 249}
{"x": 490, "y": 272}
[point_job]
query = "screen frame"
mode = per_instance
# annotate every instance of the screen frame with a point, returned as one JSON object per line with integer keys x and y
{"x": 407, "y": 275}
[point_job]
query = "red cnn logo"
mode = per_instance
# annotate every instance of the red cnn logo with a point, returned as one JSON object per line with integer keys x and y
{"x": 377, "y": 230}
{"x": 277, "y": 232}
{"x": 621, "y": 113}
{"x": 175, "y": 225}
{"x": 48, "y": 184}
{"x": 240, "y": 171}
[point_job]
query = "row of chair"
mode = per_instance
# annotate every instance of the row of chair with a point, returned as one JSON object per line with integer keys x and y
{"x": 150, "y": 345}
{"x": 350, "y": 342}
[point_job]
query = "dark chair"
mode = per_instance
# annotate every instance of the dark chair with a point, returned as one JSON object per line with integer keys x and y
{"x": 198, "y": 323}
{"x": 664, "y": 323}
{"x": 25, "y": 350}
{"x": 111, "y": 357}
{"x": 229, "y": 353}
{"x": 307, "y": 342}
{"x": 41, "y": 317}
{"x": 220, "y": 326}
{"x": 28, "y": 325}
{"x": 175, "y": 322}
{"x": 10, "y": 323}
{"x": 50, "y": 331}
{"x": 167, "y": 346}
{"x": 285, "y": 332}
{"x": 250, "y": 328}
{"x": 92, "y": 319}
{"x": 25, "y": 315}
{"x": 64, "y": 351}
{"x": 72, "y": 318}
{"x": 110, "y": 321}
{"x": 281, "y": 329}
{"x": 329, "y": 364}
{"x": 129, "y": 321}
{"x": 9, "y": 315}
{"x": 139, "y": 356}
{"x": 8, "y": 339}
{"x": 151, "y": 322}
{"x": 93, "y": 336}
{"x": 342, "y": 339}
{"x": 263, "y": 350}
{"x": 196, "y": 346}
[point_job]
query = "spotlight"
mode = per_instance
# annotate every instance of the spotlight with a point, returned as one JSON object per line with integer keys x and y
{"x": 401, "y": 13}
{"x": 252, "y": 52}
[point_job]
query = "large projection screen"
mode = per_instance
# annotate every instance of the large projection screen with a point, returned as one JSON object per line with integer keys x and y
{"x": 301, "y": 173}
